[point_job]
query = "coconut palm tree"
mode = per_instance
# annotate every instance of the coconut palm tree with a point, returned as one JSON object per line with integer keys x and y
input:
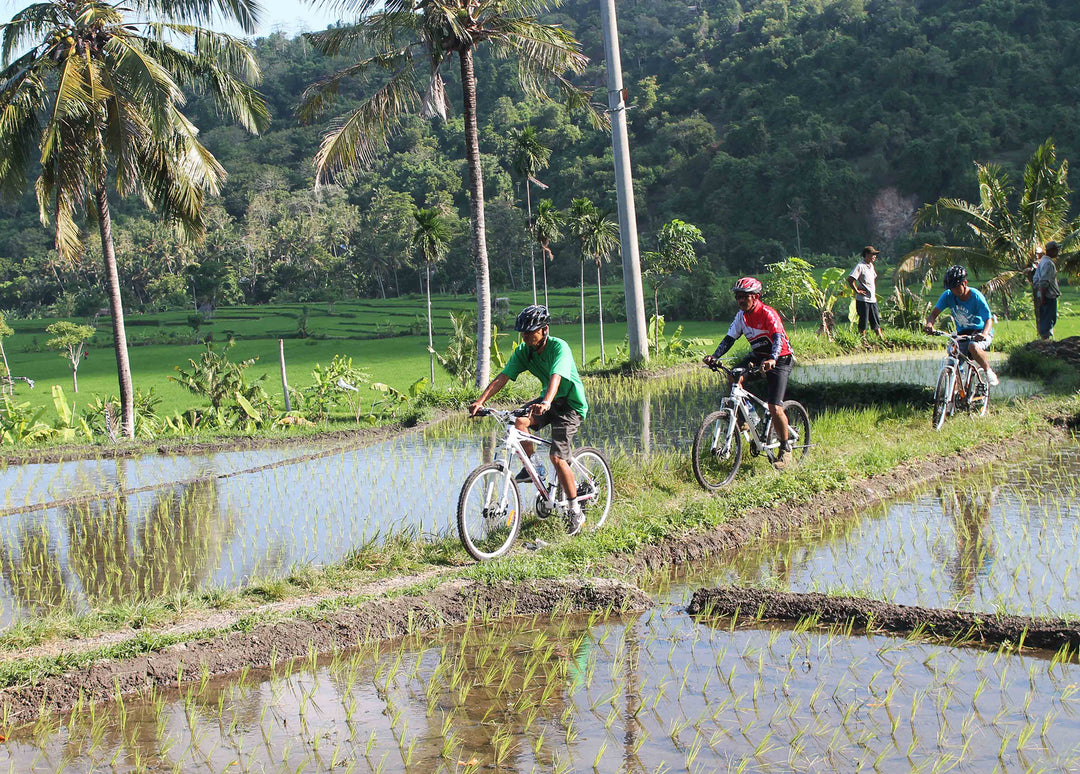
{"x": 598, "y": 236}
{"x": 409, "y": 42}
{"x": 95, "y": 100}
{"x": 431, "y": 239}
{"x": 998, "y": 240}
{"x": 546, "y": 229}
{"x": 529, "y": 157}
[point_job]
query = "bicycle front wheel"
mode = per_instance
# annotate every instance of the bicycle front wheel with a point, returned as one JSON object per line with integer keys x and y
{"x": 715, "y": 459}
{"x": 489, "y": 512}
{"x": 942, "y": 399}
{"x": 595, "y": 485}
{"x": 798, "y": 428}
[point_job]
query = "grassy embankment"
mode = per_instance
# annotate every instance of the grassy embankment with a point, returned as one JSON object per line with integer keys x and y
{"x": 163, "y": 341}
{"x": 656, "y": 499}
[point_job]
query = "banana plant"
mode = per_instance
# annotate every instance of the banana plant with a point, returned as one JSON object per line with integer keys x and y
{"x": 68, "y": 423}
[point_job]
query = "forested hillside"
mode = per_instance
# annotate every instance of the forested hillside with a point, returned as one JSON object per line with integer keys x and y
{"x": 774, "y": 125}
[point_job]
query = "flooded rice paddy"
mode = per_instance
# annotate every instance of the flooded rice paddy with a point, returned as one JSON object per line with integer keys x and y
{"x": 654, "y": 692}
{"x": 1005, "y": 538}
{"x": 657, "y": 692}
{"x": 80, "y": 534}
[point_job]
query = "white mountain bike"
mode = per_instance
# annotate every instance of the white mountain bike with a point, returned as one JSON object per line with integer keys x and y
{"x": 718, "y": 443}
{"x": 489, "y": 507}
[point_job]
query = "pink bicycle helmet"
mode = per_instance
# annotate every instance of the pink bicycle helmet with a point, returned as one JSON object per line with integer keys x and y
{"x": 747, "y": 285}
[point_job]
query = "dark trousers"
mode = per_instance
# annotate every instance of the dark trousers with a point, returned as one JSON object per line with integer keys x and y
{"x": 1047, "y": 317}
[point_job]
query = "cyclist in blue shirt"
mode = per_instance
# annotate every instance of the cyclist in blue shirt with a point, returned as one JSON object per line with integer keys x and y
{"x": 972, "y": 316}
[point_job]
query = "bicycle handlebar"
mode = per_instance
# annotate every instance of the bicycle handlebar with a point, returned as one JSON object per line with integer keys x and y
{"x": 719, "y": 367}
{"x": 957, "y": 336}
{"x": 501, "y": 414}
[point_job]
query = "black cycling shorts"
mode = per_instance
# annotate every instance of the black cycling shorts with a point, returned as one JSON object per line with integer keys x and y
{"x": 776, "y": 380}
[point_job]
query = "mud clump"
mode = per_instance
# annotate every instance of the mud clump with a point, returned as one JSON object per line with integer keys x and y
{"x": 870, "y": 615}
{"x": 1064, "y": 349}
{"x": 273, "y": 643}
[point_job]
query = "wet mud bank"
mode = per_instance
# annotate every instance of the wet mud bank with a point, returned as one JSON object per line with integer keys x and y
{"x": 759, "y": 522}
{"x": 871, "y": 615}
{"x": 268, "y": 644}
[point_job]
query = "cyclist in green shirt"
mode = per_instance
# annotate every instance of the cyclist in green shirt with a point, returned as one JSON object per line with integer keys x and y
{"x": 563, "y": 404}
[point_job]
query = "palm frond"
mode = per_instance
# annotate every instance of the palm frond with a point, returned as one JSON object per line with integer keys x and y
{"x": 355, "y": 140}
{"x": 545, "y": 48}
{"x": 1007, "y": 283}
{"x": 29, "y": 25}
{"x": 356, "y": 9}
{"x": 73, "y": 92}
{"x": 143, "y": 79}
{"x": 319, "y": 96}
{"x": 928, "y": 257}
{"x": 335, "y": 40}
{"x": 20, "y": 129}
{"x": 246, "y": 13}
{"x": 952, "y": 213}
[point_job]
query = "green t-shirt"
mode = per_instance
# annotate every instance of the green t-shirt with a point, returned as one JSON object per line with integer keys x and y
{"x": 555, "y": 359}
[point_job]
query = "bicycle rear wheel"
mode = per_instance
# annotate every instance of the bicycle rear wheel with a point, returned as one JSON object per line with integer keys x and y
{"x": 798, "y": 428}
{"x": 714, "y": 459}
{"x": 592, "y": 474}
{"x": 978, "y": 392}
{"x": 489, "y": 512}
{"x": 942, "y": 399}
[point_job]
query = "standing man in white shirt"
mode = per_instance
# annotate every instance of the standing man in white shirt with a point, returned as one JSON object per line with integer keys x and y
{"x": 863, "y": 280}
{"x": 1046, "y": 291}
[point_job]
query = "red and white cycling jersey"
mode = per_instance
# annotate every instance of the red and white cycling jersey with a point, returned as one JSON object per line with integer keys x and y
{"x": 759, "y": 326}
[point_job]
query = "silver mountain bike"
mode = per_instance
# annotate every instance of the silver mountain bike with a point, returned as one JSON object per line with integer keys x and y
{"x": 489, "y": 512}
{"x": 961, "y": 383}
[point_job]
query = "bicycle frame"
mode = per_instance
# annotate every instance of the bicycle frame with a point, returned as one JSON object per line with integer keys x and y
{"x": 955, "y": 361}
{"x": 736, "y": 402}
{"x": 511, "y": 447}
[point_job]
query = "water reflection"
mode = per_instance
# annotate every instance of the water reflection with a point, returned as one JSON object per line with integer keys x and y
{"x": 994, "y": 539}
{"x": 116, "y": 551}
{"x": 656, "y": 692}
{"x": 969, "y": 512}
{"x": 302, "y": 504}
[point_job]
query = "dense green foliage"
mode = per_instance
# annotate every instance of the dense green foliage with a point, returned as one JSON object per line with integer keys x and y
{"x": 752, "y": 120}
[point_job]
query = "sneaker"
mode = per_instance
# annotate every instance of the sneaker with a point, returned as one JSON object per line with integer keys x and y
{"x": 523, "y": 474}
{"x": 781, "y": 461}
{"x": 575, "y": 519}
{"x": 991, "y": 377}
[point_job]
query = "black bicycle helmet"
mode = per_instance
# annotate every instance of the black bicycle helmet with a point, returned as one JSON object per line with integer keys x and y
{"x": 532, "y": 318}
{"x": 954, "y": 276}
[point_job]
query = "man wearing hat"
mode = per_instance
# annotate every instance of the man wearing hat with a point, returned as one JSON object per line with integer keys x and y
{"x": 863, "y": 280}
{"x": 1046, "y": 291}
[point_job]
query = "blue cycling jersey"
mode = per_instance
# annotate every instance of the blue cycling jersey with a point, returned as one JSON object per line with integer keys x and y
{"x": 971, "y": 315}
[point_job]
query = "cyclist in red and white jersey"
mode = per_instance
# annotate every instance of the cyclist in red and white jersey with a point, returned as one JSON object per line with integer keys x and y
{"x": 769, "y": 348}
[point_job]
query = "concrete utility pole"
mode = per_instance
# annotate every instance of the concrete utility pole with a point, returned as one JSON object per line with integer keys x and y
{"x": 624, "y": 189}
